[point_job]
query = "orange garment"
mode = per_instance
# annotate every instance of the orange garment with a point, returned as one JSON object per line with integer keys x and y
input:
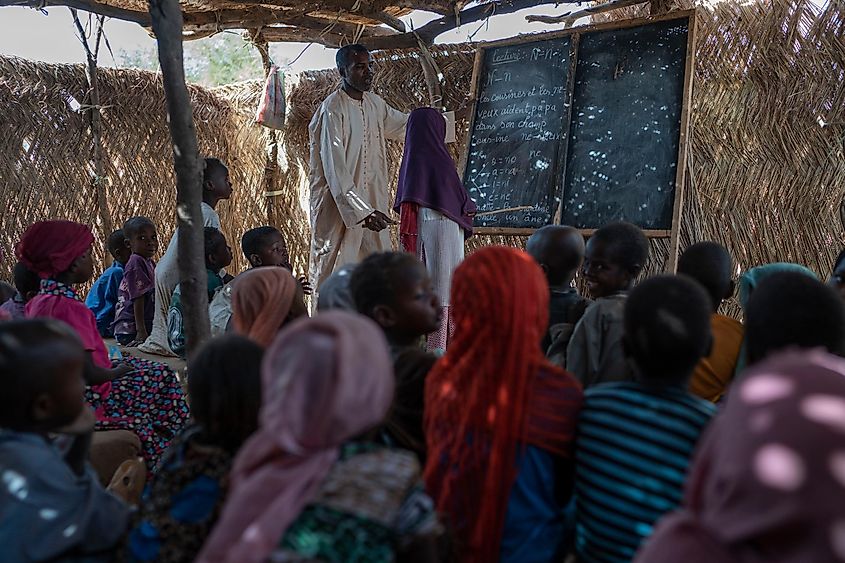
{"x": 713, "y": 374}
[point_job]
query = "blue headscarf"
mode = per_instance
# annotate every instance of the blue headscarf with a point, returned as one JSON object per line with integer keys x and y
{"x": 749, "y": 281}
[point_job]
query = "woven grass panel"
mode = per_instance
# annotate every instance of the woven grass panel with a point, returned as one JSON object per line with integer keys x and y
{"x": 46, "y": 169}
{"x": 765, "y": 178}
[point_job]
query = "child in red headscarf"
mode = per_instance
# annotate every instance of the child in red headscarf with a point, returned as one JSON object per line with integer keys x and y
{"x": 136, "y": 394}
{"x": 499, "y": 418}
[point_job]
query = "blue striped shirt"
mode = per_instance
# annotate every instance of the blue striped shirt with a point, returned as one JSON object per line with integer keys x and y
{"x": 633, "y": 448}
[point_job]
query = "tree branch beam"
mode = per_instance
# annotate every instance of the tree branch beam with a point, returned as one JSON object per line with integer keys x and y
{"x": 430, "y": 31}
{"x": 570, "y": 17}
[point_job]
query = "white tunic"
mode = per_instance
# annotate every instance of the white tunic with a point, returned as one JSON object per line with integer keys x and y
{"x": 349, "y": 178}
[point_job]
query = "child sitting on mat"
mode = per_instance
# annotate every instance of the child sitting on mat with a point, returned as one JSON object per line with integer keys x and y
{"x": 27, "y": 284}
{"x": 133, "y": 317}
{"x": 53, "y": 507}
{"x": 615, "y": 256}
{"x": 102, "y": 299}
{"x": 395, "y": 290}
{"x": 218, "y": 255}
{"x": 134, "y": 394}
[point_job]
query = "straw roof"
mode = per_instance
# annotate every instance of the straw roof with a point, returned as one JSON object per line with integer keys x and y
{"x": 333, "y": 23}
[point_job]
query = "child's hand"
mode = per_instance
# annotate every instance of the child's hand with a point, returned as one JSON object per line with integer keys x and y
{"x": 306, "y": 285}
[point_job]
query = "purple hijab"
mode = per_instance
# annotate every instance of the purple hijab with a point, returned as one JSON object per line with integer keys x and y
{"x": 428, "y": 176}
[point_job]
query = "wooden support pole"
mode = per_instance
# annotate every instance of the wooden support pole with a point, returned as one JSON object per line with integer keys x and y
{"x": 99, "y": 180}
{"x": 167, "y": 25}
{"x": 271, "y": 162}
{"x": 432, "y": 77}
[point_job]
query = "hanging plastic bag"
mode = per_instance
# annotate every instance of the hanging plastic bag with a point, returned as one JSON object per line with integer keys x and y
{"x": 271, "y": 110}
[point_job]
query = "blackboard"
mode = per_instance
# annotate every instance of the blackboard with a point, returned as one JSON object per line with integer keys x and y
{"x": 520, "y": 118}
{"x": 622, "y": 156}
{"x": 608, "y": 146}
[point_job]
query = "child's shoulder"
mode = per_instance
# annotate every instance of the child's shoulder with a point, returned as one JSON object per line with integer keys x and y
{"x": 136, "y": 262}
{"x": 727, "y": 325}
{"x": 27, "y": 459}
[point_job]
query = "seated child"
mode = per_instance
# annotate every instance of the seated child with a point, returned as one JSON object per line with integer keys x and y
{"x": 102, "y": 299}
{"x": 53, "y": 507}
{"x": 499, "y": 418}
{"x": 559, "y": 251}
{"x": 138, "y": 395}
{"x": 635, "y": 439}
{"x": 218, "y": 255}
{"x": 748, "y": 284}
{"x": 767, "y": 480}
{"x": 335, "y": 292}
{"x": 262, "y": 246}
{"x": 395, "y": 290}
{"x": 27, "y": 284}
{"x": 309, "y": 485}
{"x": 216, "y": 187}
{"x": 133, "y": 316}
{"x": 185, "y": 496}
{"x": 709, "y": 264}
{"x": 615, "y": 256}
{"x": 791, "y": 309}
{"x": 263, "y": 301}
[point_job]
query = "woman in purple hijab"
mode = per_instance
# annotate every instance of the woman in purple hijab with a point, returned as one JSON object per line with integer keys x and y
{"x": 435, "y": 210}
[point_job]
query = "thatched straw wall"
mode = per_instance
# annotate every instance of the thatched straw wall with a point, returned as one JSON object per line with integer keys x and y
{"x": 766, "y": 169}
{"x": 46, "y": 168}
{"x": 765, "y": 177}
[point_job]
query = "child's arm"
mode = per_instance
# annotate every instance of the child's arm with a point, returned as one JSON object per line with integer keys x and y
{"x": 140, "y": 325}
{"x": 95, "y": 375}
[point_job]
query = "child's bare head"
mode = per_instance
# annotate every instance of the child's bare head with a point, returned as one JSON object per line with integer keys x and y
{"x": 215, "y": 181}
{"x": 667, "y": 329}
{"x": 615, "y": 256}
{"x": 141, "y": 236}
{"x": 265, "y": 246}
{"x": 394, "y": 289}
{"x": 559, "y": 250}
{"x": 118, "y": 246}
{"x": 41, "y": 370}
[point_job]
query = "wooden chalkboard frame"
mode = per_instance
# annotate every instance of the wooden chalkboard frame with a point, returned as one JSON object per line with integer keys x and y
{"x": 690, "y": 15}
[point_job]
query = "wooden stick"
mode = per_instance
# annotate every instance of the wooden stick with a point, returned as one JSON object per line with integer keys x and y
{"x": 166, "y": 18}
{"x": 98, "y": 183}
{"x": 506, "y": 210}
{"x": 571, "y": 17}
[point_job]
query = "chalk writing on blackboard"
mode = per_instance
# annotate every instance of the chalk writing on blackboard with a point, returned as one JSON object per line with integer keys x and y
{"x": 512, "y": 160}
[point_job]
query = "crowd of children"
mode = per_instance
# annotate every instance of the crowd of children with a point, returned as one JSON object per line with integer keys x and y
{"x": 634, "y": 423}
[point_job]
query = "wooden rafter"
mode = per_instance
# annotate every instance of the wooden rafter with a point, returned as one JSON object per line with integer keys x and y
{"x": 297, "y": 21}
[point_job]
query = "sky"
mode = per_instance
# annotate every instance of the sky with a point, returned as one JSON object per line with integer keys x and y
{"x": 50, "y": 36}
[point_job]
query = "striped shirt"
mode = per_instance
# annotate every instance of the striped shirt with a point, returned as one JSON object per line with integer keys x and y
{"x": 633, "y": 448}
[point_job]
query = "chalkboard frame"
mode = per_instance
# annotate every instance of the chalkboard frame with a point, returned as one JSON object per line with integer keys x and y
{"x": 575, "y": 33}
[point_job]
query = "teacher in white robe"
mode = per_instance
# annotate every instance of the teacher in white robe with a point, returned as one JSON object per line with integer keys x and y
{"x": 349, "y": 175}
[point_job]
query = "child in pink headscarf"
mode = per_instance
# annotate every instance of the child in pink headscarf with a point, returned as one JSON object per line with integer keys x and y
{"x": 308, "y": 485}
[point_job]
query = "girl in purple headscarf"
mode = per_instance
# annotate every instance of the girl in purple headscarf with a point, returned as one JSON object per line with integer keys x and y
{"x": 435, "y": 210}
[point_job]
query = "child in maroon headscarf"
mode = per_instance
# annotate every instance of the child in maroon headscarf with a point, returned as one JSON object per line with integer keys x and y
{"x": 436, "y": 211}
{"x": 136, "y": 394}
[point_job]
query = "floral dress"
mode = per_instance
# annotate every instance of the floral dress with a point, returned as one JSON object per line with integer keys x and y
{"x": 148, "y": 400}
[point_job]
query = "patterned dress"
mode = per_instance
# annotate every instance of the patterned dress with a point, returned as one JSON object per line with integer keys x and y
{"x": 182, "y": 501}
{"x": 148, "y": 400}
{"x": 371, "y": 503}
